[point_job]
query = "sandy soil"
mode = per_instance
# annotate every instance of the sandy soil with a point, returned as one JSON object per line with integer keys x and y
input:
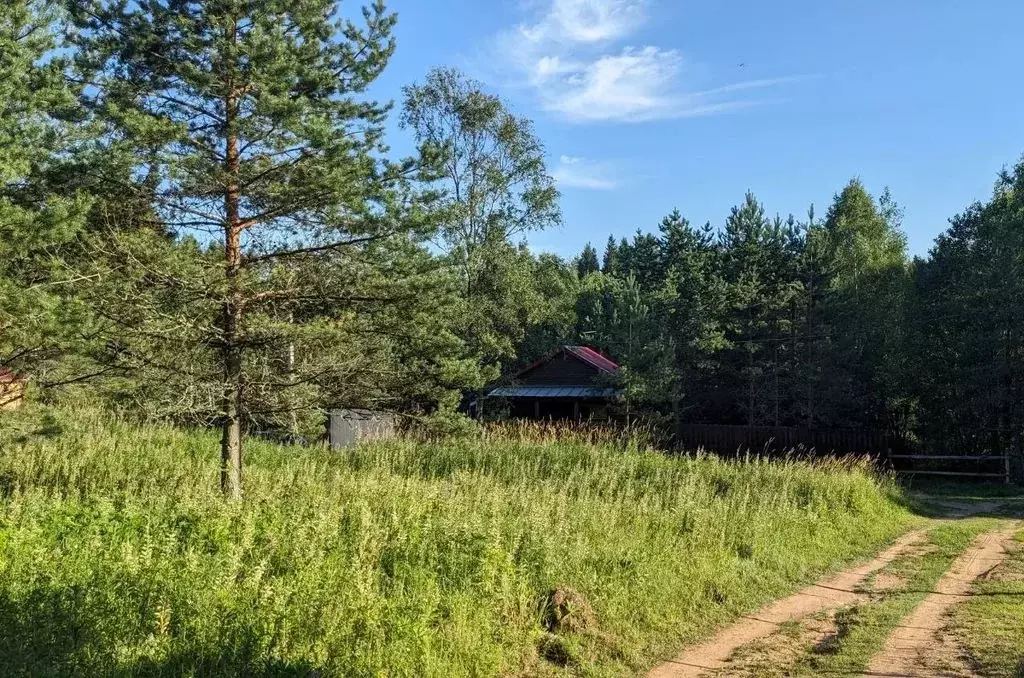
{"x": 827, "y": 595}
{"x": 916, "y": 647}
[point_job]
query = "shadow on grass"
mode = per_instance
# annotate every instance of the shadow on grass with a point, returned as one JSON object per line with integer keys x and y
{"x": 48, "y": 427}
{"x": 46, "y": 634}
{"x": 955, "y": 501}
{"x": 960, "y": 489}
{"x": 961, "y": 509}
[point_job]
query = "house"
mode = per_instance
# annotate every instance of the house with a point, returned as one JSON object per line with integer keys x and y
{"x": 573, "y": 382}
{"x": 12, "y": 389}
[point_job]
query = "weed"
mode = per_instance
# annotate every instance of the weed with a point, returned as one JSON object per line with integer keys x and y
{"x": 411, "y": 557}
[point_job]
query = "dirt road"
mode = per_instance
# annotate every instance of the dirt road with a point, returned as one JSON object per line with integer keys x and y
{"x": 840, "y": 591}
{"x": 913, "y": 649}
{"x": 828, "y": 594}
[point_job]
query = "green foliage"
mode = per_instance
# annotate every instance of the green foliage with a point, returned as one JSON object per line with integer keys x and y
{"x": 118, "y": 555}
{"x": 967, "y": 327}
{"x": 37, "y": 109}
{"x": 494, "y": 187}
{"x": 862, "y": 254}
{"x": 766, "y": 321}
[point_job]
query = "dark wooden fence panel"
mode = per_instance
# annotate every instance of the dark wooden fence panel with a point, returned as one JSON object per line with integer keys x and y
{"x": 779, "y": 440}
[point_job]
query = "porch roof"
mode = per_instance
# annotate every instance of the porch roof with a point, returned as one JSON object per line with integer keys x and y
{"x": 554, "y": 392}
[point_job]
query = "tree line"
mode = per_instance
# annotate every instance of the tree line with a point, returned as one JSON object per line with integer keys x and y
{"x": 201, "y": 220}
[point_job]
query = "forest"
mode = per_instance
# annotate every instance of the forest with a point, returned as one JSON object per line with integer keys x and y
{"x": 201, "y": 222}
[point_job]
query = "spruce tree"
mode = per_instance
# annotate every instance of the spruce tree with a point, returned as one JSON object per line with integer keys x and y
{"x": 587, "y": 262}
{"x": 610, "y": 261}
{"x": 244, "y": 124}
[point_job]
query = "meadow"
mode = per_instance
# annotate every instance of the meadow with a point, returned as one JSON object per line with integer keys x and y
{"x": 119, "y": 556}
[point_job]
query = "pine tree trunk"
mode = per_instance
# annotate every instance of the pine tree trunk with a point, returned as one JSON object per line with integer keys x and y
{"x": 777, "y": 396}
{"x": 677, "y": 418}
{"x": 231, "y": 441}
{"x": 750, "y": 386}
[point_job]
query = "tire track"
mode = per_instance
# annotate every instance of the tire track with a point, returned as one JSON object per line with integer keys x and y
{"x": 912, "y": 645}
{"x": 828, "y": 594}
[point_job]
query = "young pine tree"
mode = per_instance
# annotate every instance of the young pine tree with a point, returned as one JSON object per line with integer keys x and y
{"x": 36, "y": 107}
{"x": 243, "y": 124}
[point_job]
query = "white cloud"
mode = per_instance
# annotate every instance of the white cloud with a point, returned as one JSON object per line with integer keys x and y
{"x": 573, "y": 172}
{"x": 568, "y": 57}
{"x": 584, "y": 21}
{"x": 633, "y": 85}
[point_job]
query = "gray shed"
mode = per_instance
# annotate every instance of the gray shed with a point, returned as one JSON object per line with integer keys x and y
{"x": 346, "y": 428}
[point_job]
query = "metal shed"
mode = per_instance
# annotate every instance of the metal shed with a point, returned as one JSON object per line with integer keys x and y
{"x": 346, "y": 428}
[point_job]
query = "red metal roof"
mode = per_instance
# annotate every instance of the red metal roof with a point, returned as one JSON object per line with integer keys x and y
{"x": 592, "y": 357}
{"x": 584, "y": 353}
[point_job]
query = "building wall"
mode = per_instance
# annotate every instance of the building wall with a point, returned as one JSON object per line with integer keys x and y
{"x": 564, "y": 370}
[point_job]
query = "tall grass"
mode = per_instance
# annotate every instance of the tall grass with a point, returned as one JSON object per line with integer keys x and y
{"x": 119, "y": 557}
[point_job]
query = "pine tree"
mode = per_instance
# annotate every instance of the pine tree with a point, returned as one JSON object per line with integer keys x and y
{"x": 37, "y": 116}
{"x": 691, "y": 305}
{"x": 246, "y": 122}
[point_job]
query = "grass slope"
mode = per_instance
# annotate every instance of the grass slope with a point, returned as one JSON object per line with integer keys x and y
{"x": 118, "y": 556}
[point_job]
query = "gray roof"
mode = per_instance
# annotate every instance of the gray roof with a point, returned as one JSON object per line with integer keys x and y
{"x": 554, "y": 392}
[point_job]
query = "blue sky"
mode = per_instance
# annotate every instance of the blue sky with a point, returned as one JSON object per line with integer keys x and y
{"x": 649, "y": 105}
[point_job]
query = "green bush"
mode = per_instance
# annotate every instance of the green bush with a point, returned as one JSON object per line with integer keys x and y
{"x": 118, "y": 556}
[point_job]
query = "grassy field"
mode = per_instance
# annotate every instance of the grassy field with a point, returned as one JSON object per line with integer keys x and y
{"x": 119, "y": 557}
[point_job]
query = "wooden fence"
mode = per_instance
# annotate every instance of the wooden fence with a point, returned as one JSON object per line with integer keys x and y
{"x": 779, "y": 440}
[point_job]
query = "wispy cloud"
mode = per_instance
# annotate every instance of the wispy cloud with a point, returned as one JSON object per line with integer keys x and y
{"x": 573, "y": 172}
{"x": 585, "y": 21}
{"x": 571, "y": 56}
{"x": 632, "y": 85}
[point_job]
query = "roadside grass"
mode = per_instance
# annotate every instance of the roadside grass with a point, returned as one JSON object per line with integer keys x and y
{"x": 118, "y": 556}
{"x": 862, "y": 629}
{"x": 990, "y": 624}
